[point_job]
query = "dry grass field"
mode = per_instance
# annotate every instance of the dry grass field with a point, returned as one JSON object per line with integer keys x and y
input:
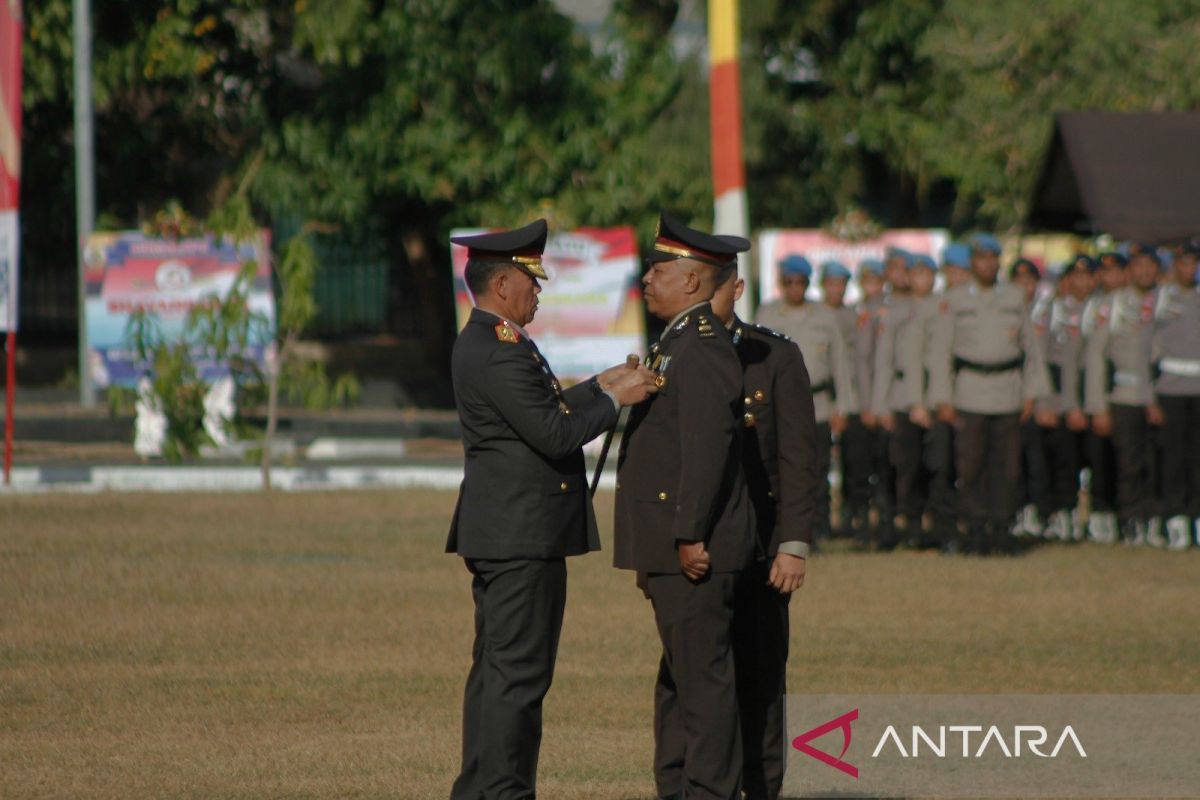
{"x": 315, "y": 645}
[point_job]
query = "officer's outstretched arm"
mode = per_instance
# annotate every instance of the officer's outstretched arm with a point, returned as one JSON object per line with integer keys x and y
{"x": 516, "y": 388}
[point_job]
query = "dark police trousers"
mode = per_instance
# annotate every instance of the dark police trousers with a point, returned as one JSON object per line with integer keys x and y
{"x": 987, "y": 457}
{"x": 518, "y": 616}
{"x": 1134, "y": 449}
{"x": 697, "y": 736}
{"x": 760, "y": 651}
{"x": 1181, "y": 455}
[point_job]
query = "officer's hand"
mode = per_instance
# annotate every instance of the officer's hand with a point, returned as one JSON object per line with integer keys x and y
{"x": 869, "y": 420}
{"x": 1155, "y": 415}
{"x": 1026, "y": 409}
{"x": 887, "y": 422}
{"x": 1045, "y": 418}
{"x": 607, "y": 378}
{"x": 837, "y": 424}
{"x": 946, "y": 413}
{"x": 1102, "y": 423}
{"x": 634, "y": 386}
{"x": 693, "y": 560}
{"x": 920, "y": 416}
{"x": 1076, "y": 420}
{"x": 787, "y": 573}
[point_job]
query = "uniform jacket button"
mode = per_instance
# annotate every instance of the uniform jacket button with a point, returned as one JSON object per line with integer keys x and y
{"x": 563, "y": 486}
{"x": 662, "y": 495}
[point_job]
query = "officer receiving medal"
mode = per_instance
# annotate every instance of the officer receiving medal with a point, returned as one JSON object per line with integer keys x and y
{"x": 684, "y": 520}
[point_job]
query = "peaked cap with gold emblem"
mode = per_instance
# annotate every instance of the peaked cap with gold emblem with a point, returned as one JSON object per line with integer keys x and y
{"x": 521, "y": 247}
{"x": 675, "y": 240}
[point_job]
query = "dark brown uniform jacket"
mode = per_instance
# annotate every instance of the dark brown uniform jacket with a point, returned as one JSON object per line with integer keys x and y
{"x": 679, "y": 473}
{"x": 780, "y": 459}
{"x": 524, "y": 491}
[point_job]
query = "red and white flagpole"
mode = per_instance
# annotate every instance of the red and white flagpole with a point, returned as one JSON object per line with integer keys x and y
{"x": 10, "y": 184}
{"x": 725, "y": 109}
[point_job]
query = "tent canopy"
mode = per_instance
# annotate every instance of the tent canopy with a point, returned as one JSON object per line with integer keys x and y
{"x": 1134, "y": 176}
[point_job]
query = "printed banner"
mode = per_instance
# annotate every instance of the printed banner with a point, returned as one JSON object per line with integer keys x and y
{"x": 590, "y": 310}
{"x": 988, "y": 745}
{"x": 127, "y": 271}
{"x": 818, "y": 246}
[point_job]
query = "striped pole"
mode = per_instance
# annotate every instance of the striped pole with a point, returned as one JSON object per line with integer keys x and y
{"x": 730, "y": 214}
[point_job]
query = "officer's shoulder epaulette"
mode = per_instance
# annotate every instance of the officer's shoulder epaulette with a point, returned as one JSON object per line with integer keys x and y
{"x": 771, "y": 332}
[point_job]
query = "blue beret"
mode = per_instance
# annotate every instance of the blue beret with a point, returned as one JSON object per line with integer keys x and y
{"x": 1024, "y": 265}
{"x": 1116, "y": 256}
{"x": 796, "y": 264}
{"x": 922, "y": 260}
{"x": 956, "y": 255}
{"x": 985, "y": 242}
{"x": 898, "y": 252}
{"x": 872, "y": 265}
{"x": 834, "y": 269}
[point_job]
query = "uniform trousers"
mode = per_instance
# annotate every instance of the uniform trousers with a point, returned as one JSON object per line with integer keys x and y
{"x": 1035, "y": 467}
{"x": 857, "y": 467}
{"x": 760, "y": 651}
{"x": 1134, "y": 450}
{"x": 1102, "y": 462}
{"x": 518, "y": 617}
{"x": 907, "y": 455}
{"x": 697, "y": 734}
{"x": 824, "y": 450}
{"x": 885, "y": 481}
{"x": 1067, "y": 450}
{"x": 987, "y": 457}
{"x": 939, "y": 461}
{"x": 1181, "y": 455}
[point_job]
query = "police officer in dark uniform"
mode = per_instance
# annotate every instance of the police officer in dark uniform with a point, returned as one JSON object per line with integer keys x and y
{"x": 683, "y": 516}
{"x": 780, "y": 460}
{"x": 523, "y": 506}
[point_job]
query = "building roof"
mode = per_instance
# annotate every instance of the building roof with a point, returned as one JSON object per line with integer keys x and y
{"x": 1134, "y": 176}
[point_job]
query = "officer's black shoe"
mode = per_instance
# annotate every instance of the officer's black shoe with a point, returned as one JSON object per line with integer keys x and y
{"x": 676, "y": 796}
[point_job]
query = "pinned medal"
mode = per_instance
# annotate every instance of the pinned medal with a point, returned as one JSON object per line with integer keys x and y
{"x": 758, "y": 394}
{"x": 749, "y": 420}
{"x": 660, "y": 380}
{"x": 505, "y": 333}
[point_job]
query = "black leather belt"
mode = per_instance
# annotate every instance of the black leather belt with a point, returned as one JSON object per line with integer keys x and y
{"x": 989, "y": 369}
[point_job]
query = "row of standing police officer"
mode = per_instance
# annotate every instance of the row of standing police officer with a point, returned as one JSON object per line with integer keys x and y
{"x": 943, "y": 387}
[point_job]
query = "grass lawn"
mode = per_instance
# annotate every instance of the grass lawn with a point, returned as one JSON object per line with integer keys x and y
{"x": 315, "y": 645}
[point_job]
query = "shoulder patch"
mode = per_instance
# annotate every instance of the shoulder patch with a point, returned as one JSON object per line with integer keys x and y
{"x": 506, "y": 334}
{"x": 772, "y": 332}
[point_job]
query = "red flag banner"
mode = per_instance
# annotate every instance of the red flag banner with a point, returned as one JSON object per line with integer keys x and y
{"x": 10, "y": 103}
{"x": 10, "y": 157}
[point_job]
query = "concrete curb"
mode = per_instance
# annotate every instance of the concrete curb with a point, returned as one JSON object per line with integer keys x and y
{"x": 84, "y": 479}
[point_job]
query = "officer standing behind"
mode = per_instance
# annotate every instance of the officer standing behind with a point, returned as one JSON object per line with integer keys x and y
{"x": 854, "y": 444}
{"x": 1177, "y": 354}
{"x": 779, "y": 458}
{"x": 815, "y": 328}
{"x": 868, "y": 461}
{"x": 900, "y": 402}
{"x": 988, "y": 362}
{"x": 1102, "y": 459}
{"x": 1035, "y": 460}
{"x": 523, "y": 506}
{"x": 1119, "y": 392}
{"x": 684, "y": 520}
{"x": 1064, "y": 358}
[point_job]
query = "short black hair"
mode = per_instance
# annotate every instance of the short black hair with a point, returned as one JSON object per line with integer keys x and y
{"x": 478, "y": 274}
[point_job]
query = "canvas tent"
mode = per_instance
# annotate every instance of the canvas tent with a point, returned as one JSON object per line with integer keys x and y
{"x": 1134, "y": 176}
